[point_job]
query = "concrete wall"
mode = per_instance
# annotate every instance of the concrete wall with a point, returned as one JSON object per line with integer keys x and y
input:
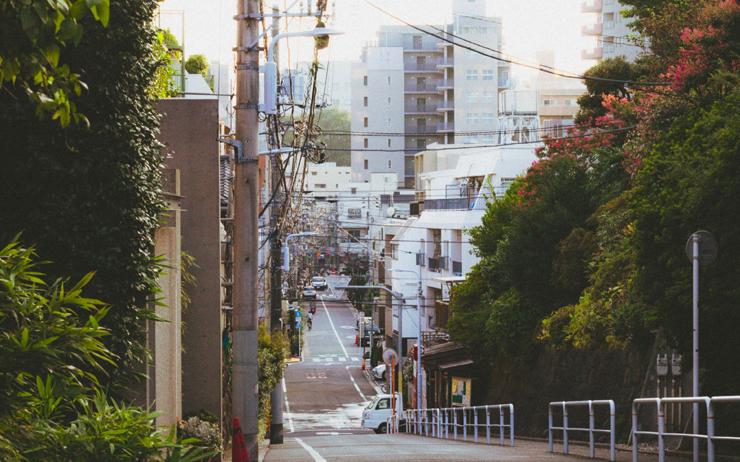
{"x": 165, "y": 373}
{"x": 188, "y": 131}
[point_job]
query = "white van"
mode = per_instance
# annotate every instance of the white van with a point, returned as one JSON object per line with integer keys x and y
{"x": 376, "y": 414}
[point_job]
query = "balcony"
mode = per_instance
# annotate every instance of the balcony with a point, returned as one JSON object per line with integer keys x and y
{"x": 420, "y": 129}
{"x": 594, "y": 53}
{"x": 427, "y": 87}
{"x": 423, "y": 48}
{"x": 592, "y": 29}
{"x": 434, "y": 265}
{"x": 446, "y": 127}
{"x": 455, "y": 203}
{"x": 445, "y": 85}
{"x": 457, "y": 268}
{"x": 420, "y": 109}
{"x": 422, "y": 67}
{"x": 591, "y": 6}
{"x": 443, "y": 63}
{"x": 446, "y": 106}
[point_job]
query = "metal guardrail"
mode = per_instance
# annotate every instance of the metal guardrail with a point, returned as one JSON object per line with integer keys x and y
{"x": 469, "y": 422}
{"x": 709, "y": 436}
{"x": 564, "y": 405}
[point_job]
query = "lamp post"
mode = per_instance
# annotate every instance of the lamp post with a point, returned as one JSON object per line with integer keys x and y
{"x": 419, "y": 291}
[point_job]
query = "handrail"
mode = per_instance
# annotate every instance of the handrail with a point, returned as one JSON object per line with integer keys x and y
{"x": 591, "y": 430}
{"x": 709, "y": 436}
{"x": 441, "y": 422}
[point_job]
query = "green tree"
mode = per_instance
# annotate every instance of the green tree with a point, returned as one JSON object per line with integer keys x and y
{"x": 197, "y": 64}
{"x": 590, "y": 104}
{"x": 337, "y": 124}
{"x": 89, "y": 197}
{"x": 35, "y": 37}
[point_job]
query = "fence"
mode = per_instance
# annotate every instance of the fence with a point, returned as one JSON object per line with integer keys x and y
{"x": 591, "y": 426}
{"x": 466, "y": 423}
{"x": 709, "y": 436}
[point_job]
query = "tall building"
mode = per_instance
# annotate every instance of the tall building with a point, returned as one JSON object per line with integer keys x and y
{"x": 610, "y": 31}
{"x": 411, "y": 89}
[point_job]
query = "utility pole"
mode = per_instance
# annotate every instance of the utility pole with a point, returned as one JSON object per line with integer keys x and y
{"x": 246, "y": 230}
{"x": 276, "y": 280}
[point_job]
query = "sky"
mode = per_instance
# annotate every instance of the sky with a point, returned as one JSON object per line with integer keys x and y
{"x": 528, "y": 26}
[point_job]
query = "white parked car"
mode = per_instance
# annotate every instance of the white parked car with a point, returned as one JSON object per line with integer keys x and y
{"x": 309, "y": 293}
{"x": 376, "y": 414}
{"x": 379, "y": 372}
{"x": 319, "y": 283}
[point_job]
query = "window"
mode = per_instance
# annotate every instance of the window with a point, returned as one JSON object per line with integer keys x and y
{"x": 320, "y": 185}
{"x": 364, "y": 80}
{"x": 471, "y": 74}
{"x": 313, "y": 172}
{"x": 487, "y": 74}
{"x": 365, "y": 164}
{"x": 384, "y": 403}
{"x": 394, "y": 251}
{"x": 472, "y": 117}
{"x": 389, "y": 164}
{"x": 389, "y": 142}
{"x": 354, "y": 213}
{"x": 389, "y": 101}
{"x": 421, "y": 143}
{"x": 365, "y": 122}
{"x": 389, "y": 80}
{"x": 568, "y": 102}
{"x": 364, "y": 101}
{"x": 489, "y": 95}
{"x": 548, "y": 102}
{"x": 365, "y": 143}
{"x": 506, "y": 182}
{"x": 354, "y": 190}
{"x": 417, "y": 42}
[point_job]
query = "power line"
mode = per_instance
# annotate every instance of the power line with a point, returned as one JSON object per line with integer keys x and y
{"x": 457, "y": 133}
{"x": 539, "y": 67}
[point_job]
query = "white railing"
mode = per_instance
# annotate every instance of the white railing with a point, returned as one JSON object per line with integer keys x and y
{"x": 466, "y": 423}
{"x": 709, "y": 436}
{"x": 564, "y": 405}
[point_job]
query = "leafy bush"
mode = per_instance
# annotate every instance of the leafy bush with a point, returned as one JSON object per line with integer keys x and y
{"x": 52, "y": 407}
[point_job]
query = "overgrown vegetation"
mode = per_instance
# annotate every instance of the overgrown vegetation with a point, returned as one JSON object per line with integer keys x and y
{"x": 587, "y": 249}
{"x": 52, "y": 359}
{"x": 272, "y": 351}
{"x": 88, "y": 196}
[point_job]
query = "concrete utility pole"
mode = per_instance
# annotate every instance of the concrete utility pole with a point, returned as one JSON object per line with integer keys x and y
{"x": 276, "y": 280}
{"x": 246, "y": 231}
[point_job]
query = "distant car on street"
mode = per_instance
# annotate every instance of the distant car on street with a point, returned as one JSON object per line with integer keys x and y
{"x": 319, "y": 283}
{"x": 379, "y": 372}
{"x": 309, "y": 293}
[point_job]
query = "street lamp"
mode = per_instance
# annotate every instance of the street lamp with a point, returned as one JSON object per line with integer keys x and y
{"x": 270, "y": 84}
{"x": 418, "y": 338}
{"x": 286, "y": 252}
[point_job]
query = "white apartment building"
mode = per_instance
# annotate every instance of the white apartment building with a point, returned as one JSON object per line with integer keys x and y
{"x": 455, "y": 184}
{"x": 413, "y": 89}
{"x": 610, "y": 31}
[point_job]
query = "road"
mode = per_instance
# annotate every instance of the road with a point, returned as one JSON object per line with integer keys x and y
{"x": 327, "y": 390}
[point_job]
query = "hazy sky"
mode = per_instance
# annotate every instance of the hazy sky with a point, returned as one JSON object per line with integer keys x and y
{"x": 529, "y": 26}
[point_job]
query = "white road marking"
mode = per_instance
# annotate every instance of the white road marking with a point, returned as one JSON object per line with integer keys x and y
{"x": 316, "y": 456}
{"x": 287, "y": 406}
{"x": 331, "y": 323}
{"x": 362, "y": 395}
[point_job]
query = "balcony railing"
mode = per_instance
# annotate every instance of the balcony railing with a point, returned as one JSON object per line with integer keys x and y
{"x": 420, "y": 129}
{"x": 420, "y": 108}
{"x": 446, "y": 106}
{"x": 422, "y": 67}
{"x": 449, "y": 62}
{"x": 457, "y": 268}
{"x": 446, "y": 127}
{"x": 424, "y": 47}
{"x": 427, "y": 87}
{"x": 446, "y": 84}
{"x": 456, "y": 203}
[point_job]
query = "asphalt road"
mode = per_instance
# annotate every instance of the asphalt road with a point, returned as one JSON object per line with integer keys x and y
{"x": 326, "y": 391}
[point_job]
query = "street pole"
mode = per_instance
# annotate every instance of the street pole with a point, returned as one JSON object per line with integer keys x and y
{"x": 695, "y": 314}
{"x": 276, "y": 283}
{"x": 418, "y": 349}
{"x": 246, "y": 199}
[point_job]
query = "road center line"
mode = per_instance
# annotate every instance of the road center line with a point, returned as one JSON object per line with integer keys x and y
{"x": 362, "y": 395}
{"x": 316, "y": 456}
{"x": 331, "y": 323}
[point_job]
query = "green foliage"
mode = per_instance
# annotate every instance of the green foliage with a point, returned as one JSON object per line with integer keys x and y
{"x": 52, "y": 407}
{"x": 197, "y": 64}
{"x": 271, "y": 354}
{"x": 590, "y": 104}
{"x": 88, "y": 197}
{"x": 338, "y": 145}
{"x": 165, "y": 53}
{"x": 35, "y": 36}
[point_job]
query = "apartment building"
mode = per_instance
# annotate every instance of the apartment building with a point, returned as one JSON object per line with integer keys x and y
{"x": 412, "y": 89}
{"x": 610, "y": 31}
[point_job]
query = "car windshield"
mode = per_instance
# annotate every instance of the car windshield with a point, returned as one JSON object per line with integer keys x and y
{"x": 318, "y": 279}
{"x": 373, "y": 402}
